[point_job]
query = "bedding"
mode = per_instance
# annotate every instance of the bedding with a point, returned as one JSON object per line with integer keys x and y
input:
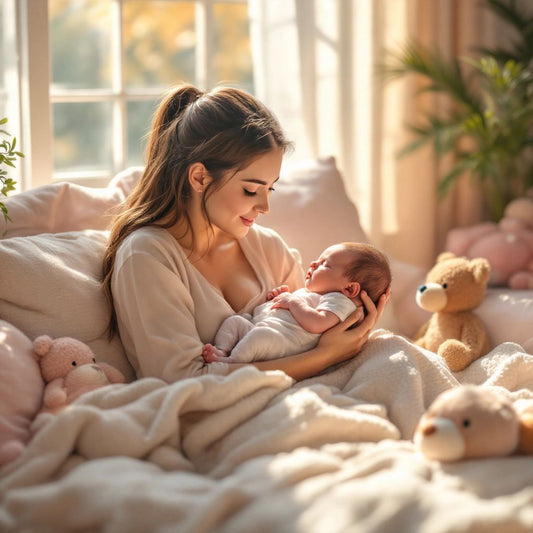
{"x": 252, "y": 451}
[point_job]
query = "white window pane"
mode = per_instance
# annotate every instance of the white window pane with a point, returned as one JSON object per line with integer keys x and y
{"x": 139, "y": 117}
{"x": 159, "y": 43}
{"x": 82, "y": 136}
{"x": 80, "y": 40}
{"x": 232, "y": 53}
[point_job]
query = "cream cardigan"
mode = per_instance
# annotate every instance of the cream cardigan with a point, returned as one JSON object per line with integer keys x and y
{"x": 167, "y": 310}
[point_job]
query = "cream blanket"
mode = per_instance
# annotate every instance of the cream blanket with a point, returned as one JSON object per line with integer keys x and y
{"x": 256, "y": 452}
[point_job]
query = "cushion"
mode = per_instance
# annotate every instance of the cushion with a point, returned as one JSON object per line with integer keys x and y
{"x": 60, "y": 207}
{"x": 310, "y": 208}
{"x": 21, "y": 391}
{"x": 50, "y": 284}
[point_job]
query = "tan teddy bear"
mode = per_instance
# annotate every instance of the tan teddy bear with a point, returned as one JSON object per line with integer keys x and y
{"x": 471, "y": 421}
{"x": 453, "y": 288}
{"x": 69, "y": 369}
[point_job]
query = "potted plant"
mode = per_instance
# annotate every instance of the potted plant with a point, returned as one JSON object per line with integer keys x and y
{"x": 489, "y": 128}
{"x": 8, "y": 156}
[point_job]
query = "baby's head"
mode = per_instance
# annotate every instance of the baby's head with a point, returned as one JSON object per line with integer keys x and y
{"x": 349, "y": 268}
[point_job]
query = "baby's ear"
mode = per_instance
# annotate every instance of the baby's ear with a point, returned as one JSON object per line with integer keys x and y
{"x": 352, "y": 289}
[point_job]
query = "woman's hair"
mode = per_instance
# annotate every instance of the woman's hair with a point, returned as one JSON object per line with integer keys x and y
{"x": 370, "y": 267}
{"x": 224, "y": 129}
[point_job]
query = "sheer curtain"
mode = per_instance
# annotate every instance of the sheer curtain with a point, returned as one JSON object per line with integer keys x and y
{"x": 314, "y": 62}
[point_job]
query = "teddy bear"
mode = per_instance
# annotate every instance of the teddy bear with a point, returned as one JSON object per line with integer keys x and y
{"x": 454, "y": 287}
{"x": 471, "y": 421}
{"x": 69, "y": 369}
{"x": 507, "y": 245}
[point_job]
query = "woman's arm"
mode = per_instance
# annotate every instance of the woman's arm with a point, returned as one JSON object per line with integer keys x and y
{"x": 336, "y": 345}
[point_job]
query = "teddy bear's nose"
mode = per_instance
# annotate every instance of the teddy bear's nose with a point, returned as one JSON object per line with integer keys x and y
{"x": 428, "y": 430}
{"x": 422, "y": 288}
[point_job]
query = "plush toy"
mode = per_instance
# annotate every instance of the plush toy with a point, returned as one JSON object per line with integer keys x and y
{"x": 21, "y": 391}
{"x": 69, "y": 369}
{"x": 471, "y": 421}
{"x": 453, "y": 288}
{"x": 508, "y": 245}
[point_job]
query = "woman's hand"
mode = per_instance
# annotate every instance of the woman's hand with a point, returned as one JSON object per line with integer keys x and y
{"x": 344, "y": 341}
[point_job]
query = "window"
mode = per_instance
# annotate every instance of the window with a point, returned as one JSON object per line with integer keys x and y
{"x": 107, "y": 64}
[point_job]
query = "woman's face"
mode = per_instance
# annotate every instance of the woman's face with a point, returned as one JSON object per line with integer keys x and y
{"x": 235, "y": 206}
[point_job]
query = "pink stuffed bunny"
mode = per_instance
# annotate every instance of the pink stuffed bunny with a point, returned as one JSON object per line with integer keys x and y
{"x": 508, "y": 245}
{"x": 69, "y": 369}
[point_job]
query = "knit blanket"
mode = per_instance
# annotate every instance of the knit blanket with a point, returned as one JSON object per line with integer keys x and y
{"x": 255, "y": 451}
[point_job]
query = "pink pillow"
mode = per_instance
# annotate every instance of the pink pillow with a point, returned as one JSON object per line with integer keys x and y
{"x": 311, "y": 210}
{"x": 60, "y": 207}
{"x": 21, "y": 391}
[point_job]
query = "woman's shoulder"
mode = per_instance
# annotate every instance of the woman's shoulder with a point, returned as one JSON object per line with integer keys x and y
{"x": 149, "y": 240}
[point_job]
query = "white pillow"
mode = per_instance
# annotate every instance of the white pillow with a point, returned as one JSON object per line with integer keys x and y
{"x": 50, "y": 284}
{"x": 60, "y": 207}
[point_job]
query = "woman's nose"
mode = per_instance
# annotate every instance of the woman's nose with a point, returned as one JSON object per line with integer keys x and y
{"x": 263, "y": 205}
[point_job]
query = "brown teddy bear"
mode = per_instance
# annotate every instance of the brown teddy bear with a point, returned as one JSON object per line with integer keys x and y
{"x": 69, "y": 368}
{"x": 471, "y": 421}
{"x": 453, "y": 288}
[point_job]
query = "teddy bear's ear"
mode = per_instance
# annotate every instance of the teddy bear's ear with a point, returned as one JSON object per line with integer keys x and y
{"x": 480, "y": 269}
{"x": 444, "y": 256}
{"x": 42, "y": 345}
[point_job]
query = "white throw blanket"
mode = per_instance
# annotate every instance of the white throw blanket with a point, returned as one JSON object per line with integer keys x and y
{"x": 254, "y": 451}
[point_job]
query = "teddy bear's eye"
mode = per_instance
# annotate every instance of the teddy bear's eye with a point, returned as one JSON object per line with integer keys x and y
{"x": 94, "y": 359}
{"x": 466, "y": 423}
{"x": 444, "y": 285}
{"x": 74, "y": 363}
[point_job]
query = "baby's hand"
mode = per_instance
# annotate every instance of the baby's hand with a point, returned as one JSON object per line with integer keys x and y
{"x": 275, "y": 292}
{"x": 281, "y": 301}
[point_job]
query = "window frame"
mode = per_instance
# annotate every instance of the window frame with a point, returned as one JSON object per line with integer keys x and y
{"x": 36, "y": 98}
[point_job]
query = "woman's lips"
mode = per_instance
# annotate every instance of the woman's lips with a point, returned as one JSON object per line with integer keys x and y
{"x": 247, "y": 221}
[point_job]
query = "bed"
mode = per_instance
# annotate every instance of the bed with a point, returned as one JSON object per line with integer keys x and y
{"x": 252, "y": 451}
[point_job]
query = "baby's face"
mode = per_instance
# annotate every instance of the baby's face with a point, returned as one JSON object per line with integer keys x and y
{"x": 326, "y": 274}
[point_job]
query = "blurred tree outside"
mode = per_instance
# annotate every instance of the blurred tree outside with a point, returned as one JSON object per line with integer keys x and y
{"x": 159, "y": 44}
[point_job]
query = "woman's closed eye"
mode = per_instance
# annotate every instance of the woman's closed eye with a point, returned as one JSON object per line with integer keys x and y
{"x": 247, "y": 192}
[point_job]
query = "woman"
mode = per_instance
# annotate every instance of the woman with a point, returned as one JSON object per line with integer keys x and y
{"x": 185, "y": 254}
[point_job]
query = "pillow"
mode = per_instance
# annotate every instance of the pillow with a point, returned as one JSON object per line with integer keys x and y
{"x": 50, "y": 284}
{"x": 21, "y": 391}
{"x": 311, "y": 210}
{"x": 60, "y": 207}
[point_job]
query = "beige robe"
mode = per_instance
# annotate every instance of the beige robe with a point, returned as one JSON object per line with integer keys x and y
{"x": 167, "y": 310}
